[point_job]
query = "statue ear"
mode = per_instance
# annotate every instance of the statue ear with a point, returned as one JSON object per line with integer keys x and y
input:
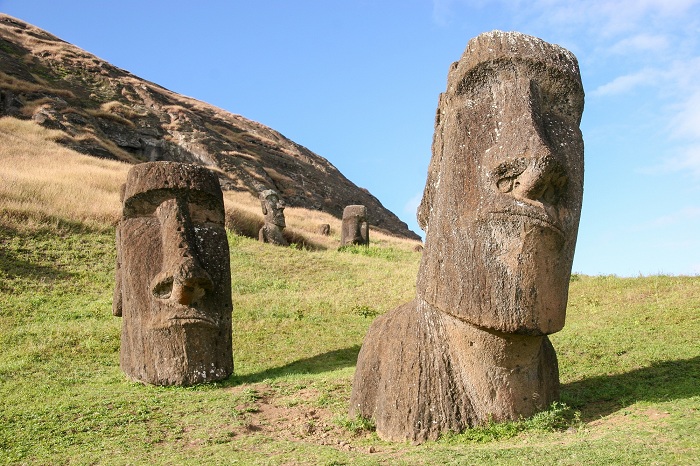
{"x": 424, "y": 209}
{"x": 117, "y": 296}
{"x": 426, "y": 203}
{"x": 264, "y": 206}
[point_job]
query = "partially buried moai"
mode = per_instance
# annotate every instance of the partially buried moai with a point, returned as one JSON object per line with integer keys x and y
{"x": 173, "y": 280}
{"x": 273, "y": 210}
{"x": 500, "y": 210}
{"x": 354, "y": 229}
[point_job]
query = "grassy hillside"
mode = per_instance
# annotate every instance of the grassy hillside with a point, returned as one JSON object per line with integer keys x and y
{"x": 629, "y": 354}
{"x": 110, "y": 113}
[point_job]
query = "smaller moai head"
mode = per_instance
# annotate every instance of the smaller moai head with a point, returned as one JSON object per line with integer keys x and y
{"x": 173, "y": 283}
{"x": 355, "y": 228}
{"x": 272, "y": 207}
{"x": 324, "y": 229}
{"x": 502, "y": 200}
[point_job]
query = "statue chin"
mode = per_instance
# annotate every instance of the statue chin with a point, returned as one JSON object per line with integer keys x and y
{"x": 528, "y": 271}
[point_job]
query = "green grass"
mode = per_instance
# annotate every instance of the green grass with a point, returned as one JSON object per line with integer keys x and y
{"x": 629, "y": 358}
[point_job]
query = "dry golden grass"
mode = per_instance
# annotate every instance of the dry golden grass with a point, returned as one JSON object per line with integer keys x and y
{"x": 43, "y": 182}
{"x": 244, "y": 217}
{"x": 115, "y": 106}
{"x": 17, "y": 85}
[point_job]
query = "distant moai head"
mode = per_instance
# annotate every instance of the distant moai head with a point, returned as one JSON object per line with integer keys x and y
{"x": 355, "y": 229}
{"x": 502, "y": 201}
{"x": 173, "y": 283}
{"x": 272, "y": 207}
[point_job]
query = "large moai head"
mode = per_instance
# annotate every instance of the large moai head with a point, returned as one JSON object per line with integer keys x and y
{"x": 354, "y": 228}
{"x": 502, "y": 201}
{"x": 173, "y": 283}
{"x": 272, "y": 207}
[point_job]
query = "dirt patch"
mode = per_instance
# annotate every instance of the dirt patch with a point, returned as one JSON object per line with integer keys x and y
{"x": 297, "y": 416}
{"x": 654, "y": 414}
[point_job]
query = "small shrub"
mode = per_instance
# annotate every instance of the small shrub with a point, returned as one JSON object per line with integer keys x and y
{"x": 365, "y": 311}
{"x": 355, "y": 425}
{"x": 558, "y": 417}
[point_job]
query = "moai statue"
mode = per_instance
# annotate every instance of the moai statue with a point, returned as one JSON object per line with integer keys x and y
{"x": 273, "y": 210}
{"x": 355, "y": 229}
{"x": 500, "y": 210}
{"x": 324, "y": 229}
{"x": 173, "y": 279}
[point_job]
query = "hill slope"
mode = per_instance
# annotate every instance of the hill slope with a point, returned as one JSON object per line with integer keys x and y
{"x": 108, "y": 112}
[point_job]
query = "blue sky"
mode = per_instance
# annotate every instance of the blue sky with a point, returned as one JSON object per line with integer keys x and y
{"x": 357, "y": 82}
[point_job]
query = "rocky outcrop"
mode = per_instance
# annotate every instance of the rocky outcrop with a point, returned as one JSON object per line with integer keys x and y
{"x": 108, "y": 112}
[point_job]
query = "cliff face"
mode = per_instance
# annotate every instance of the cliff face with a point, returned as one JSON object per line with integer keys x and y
{"x": 108, "y": 112}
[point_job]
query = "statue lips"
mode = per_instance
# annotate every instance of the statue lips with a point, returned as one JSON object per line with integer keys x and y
{"x": 177, "y": 314}
{"x": 535, "y": 214}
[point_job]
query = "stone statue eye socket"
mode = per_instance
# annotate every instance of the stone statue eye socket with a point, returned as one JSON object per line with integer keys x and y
{"x": 135, "y": 208}
{"x": 505, "y": 185}
{"x": 550, "y": 195}
{"x": 203, "y": 215}
{"x": 163, "y": 289}
{"x": 556, "y": 189}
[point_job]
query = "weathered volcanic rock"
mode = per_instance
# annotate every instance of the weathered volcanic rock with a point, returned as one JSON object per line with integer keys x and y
{"x": 173, "y": 279}
{"x": 273, "y": 212}
{"x": 355, "y": 226}
{"x": 500, "y": 209}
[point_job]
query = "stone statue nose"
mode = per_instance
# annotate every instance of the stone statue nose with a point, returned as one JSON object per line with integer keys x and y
{"x": 528, "y": 184}
{"x": 541, "y": 178}
{"x": 182, "y": 278}
{"x": 540, "y": 182}
{"x": 185, "y": 283}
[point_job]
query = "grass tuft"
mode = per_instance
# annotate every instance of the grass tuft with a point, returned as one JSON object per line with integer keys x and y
{"x": 558, "y": 417}
{"x": 356, "y": 425}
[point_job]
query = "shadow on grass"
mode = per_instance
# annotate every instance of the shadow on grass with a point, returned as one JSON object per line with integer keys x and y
{"x": 662, "y": 381}
{"x": 320, "y": 363}
{"x": 12, "y": 265}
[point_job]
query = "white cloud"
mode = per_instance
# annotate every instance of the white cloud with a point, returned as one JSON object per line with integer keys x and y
{"x": 664, "y": 7}
{"x": 412, "y": 204}
{"x": 681, "y": 216}
{"x": 686, "y": 123}
{"x": 626, "y": 16}
{"x": 626, "y": 83}
{"x": 688, "y": 161}
{"x": 640, "y": 43}
{"x": 602, "y": 19}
